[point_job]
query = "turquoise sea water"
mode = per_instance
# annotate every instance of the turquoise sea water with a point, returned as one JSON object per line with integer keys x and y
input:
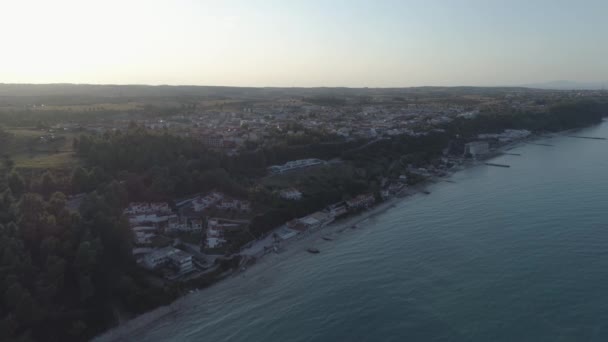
{"x": 517, "y": 254}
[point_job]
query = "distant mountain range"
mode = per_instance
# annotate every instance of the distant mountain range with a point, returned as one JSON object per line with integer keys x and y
{"x": 566, "y": 85}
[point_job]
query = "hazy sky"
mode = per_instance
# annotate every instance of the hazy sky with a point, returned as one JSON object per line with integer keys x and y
{"x": 303, "y": 42}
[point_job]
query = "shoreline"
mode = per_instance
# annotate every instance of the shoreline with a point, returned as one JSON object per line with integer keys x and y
{"x": 299, "y": 244}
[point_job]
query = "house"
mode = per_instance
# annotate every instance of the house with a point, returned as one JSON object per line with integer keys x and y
{"x": 138, "y": 208}
{"x": 361, "y": 201}
{"x": 315, "y": 220}
{"x": 291, "y": 194}
{"x": 142, "y": 238}
{"x": 219, "y": 232}
{"x": 186, "y": 225}
{"x": 205, "y": 202}
{"x": 143, "y": 235}
{"x": 171, "y": 257}
{"x": 293, "y": 165}
{"x": 213, "y": 141}
{"x": 337, "y": 209}
{"x": 181, "y": 262}
{"x": 156, "y": 220}
{"x": 234, "y": 204}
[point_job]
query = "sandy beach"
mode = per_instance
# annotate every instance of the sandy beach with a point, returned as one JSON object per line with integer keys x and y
{"x": 288, "y": 248}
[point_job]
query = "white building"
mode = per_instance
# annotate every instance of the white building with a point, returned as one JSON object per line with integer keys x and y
{"x": 186, "y": 225}
{"x": 315, "y": 220}
{"x": 217, "y": 228}
{"x": 143, "y": 235}
{"x": 337, "y": 209}
{"x": 156, "y": 258}
{"x": 234, "y": 204}
{"x": 181, "y": 262}
{"x": 205, "y": 202}
{"x": 169, "y": 256}
{"x": 293, "y": 165}
{"x": 138, "y": 208}
{"x": 290, "y": 194}
{"x": 152, "y": 219}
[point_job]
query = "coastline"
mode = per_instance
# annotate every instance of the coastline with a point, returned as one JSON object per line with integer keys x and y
{"x": 299, "y": 244}
{"x": 288, "y": 249}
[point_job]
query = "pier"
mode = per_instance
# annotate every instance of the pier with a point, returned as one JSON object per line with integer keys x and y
{"x": 539, "y": 144}
{"x": 498, "y": 165}
{"x": 582, "y": 137}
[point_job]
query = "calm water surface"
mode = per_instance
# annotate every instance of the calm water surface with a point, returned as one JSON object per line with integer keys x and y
{"x": 518, "y": 254}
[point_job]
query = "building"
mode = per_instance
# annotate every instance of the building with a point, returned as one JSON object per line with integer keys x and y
{"x": 476, "y": 148}
{"x": 155, "y": 220}
{"x": 293, "y": 165}
{"x": 174, "y": 258}
{"x": 157, "y": 215}
{"x": 213, "y": 141}
{"x": 291, "y": 194}
{"x": 143, "y": 235}
{"x": 219, "y": 233}
{"x": 315, "y": 220}
{"x": 205, "y": 202}
{"x": 181, "y": 262}
{"x": 337, "y": 209}
{"x": 186, "y": 225}
{"x": 234, "y": 204}
{"x": 138, "y": 208}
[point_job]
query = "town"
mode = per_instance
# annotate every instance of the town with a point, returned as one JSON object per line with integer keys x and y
{"x": 182, "y": 238}
{"x": 129, "y": 201}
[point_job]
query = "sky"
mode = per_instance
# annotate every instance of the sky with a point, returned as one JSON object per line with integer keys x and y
{"x": 307, "y": 43}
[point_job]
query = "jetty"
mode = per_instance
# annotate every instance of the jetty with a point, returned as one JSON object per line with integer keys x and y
{"x": 498, "y": 165}
{"x": 538, "y": 144}
{"x": 582, "y": 137}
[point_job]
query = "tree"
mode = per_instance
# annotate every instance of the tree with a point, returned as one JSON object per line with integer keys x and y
{"x": 16, "y": 184}
{"x": 80, "y": 180}
{"x": 9, "y": 163}
{"x": 47, "y": 184}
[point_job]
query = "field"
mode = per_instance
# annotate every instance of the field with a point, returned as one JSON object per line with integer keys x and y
{"x": 36, "y": 149}
{"x": 311, "y": 179}
{"x": 129, "y": 106}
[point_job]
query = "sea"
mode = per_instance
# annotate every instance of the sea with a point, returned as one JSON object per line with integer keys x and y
{"x": 497, "y": 254}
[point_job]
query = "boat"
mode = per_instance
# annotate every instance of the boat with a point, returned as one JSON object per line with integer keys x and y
{"x": 426, "y": 192}
{"x": 326, "y": 238}
{"x": 313, "y": 250}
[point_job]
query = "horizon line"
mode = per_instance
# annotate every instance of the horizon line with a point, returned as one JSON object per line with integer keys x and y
{"x": 527, "y": 85}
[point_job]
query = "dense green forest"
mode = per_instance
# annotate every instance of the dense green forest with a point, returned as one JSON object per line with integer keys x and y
{"x": 64, "y": 274}
{"x": 61, "y": 270}
{"x": 556, "y": 118}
